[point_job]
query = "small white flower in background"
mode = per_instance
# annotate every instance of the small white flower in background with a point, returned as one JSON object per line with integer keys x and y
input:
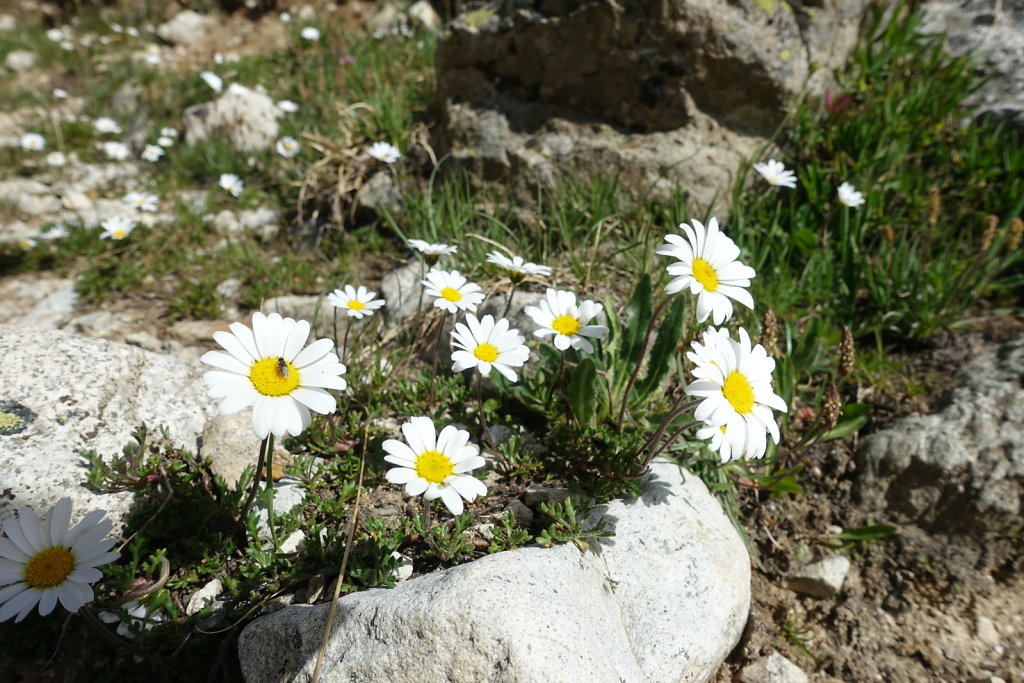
{"x": 27, "y": 243}
{"x": 169, "y": 132}
{"x": 117, "y": 228}
{"x": 734, "y": 381}
{"x": 152, "y": 153}
{"x": 285, "y": 18}
{"x": 452, "y": 291}
{"x": 287, "y": 106}
{"x": 34, "y": 142}
{"x": 153, "y": 59}
{"x": 775, "y": 173}
{"x": 55, "y": 34}
{"x": 288, "y": 147}
{"x": 232, "y": 183}
{"x": 238, "y": 89}
{"x": 141, "y": 201}
{"x": 267, "y": 367}
{"x": 43, "y": 563}
{"x": 118, "y": 151}
{"x": 357, "y": 302}
{"x": 56, "y": 159}
{"x": 67, "y": 45}
{"x": 708, "y": 267}
{"x": 433, "y": 249}
{"x": 517, "y": 268}
{"x": 310, "y": 33}
{"x": 559, "y": 315}
{"x": 106, "y": 40}
{"x": 133, "y": 618}
{"x": 850, "y": 197}
{"x": 60, "y": 93}
{"x": 87, "y": 40}
{"x": 384, "y": 151}
{"x": 213, "y": 80}
{"x": 165, "y": 141}
{"x": 106, "y": 125}
{"x": 435, "y": 465}
{"x": 117, "y": 28}
{"x": 57, "y": 232}
{"x": 132, "y": 31}
{"x": 218, "y": 58}
{"x": 484, "y": 344}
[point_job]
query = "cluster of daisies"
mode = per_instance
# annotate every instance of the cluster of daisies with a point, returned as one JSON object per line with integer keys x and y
{"x": 776, "y": 174}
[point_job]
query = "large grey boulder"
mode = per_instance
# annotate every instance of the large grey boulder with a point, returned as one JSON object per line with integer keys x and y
{"x": 68, "y": 394}
{"x": 659, "y": 92}
{"x": 959, "y": 470}
{"x": 666, "y": 599}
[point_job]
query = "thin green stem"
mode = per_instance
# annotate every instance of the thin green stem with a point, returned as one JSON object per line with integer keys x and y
{"x": 270, "y": 491}
{"x": 344, "y": 343}
{"x": 255, "y": 487}
{"x": 639, "y": 363}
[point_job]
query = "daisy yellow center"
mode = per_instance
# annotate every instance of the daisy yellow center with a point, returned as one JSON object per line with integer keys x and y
{"x": 274, "y": 377}
{"x": 705, "y": 274}
{"x": 738, "y": 392}
{"x": 451, "y": 294}
{"x": 434, "y": 466}
{"x": 356, "y": 305}
{"x": 120, "y": 234}
{"x": 566, "y": 325}
{"x": 488, "y": 353}
{"x": 49, "y": 568}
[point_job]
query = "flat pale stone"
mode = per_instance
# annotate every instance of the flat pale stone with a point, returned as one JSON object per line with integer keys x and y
{"x": 772, "y": 669}
{"x": 822, "y": 578}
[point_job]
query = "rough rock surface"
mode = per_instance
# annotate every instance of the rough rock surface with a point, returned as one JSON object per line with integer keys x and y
{"x": 688, "y": 88}
{"x": 73, "y": 394}
{"x": 246, "y": 116}
{"x": 960, "y": 470}
{"x": 185, "y": 28}
{"x": 773, "y": 669}
{"x": 666, "y": 599}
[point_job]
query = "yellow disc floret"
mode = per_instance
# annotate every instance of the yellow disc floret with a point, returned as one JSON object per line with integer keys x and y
{"x": 49, "y": 568}
{"x": 451, "y": 294}
{"x": 356, "y": 305}
{"x": 488, "y": 353}
{"x": 566, "y": 325}
{"x": 274, "y": 376}
{"x": 705, "y": 274}
{"x": 434, "y": 466}
{"x": 738, "y": 392}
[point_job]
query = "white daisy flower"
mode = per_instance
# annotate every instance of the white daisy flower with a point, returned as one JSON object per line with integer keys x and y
{"x": 117, "y": 28}
{"x": 485, "y": 344}
{"x": 60, "y": 93}
{"x": 288, "y": 147}
{"x": 41, "y": 564}
{"x": 384, "y": 151}
{"x": 118, "y": 151}
{"x": 708, "y": 266}
{"x": 850, "y": 197}
{"x": 165, "y": 141}
{"x": 117, "y": 228}
{"x": 435, "y": 465}
{"x": 310, "y": 33}
{"x": 232, "y": 183}
{"x": 559, "y": 315}
{"x": 56, "y": 159}
{"x": 452, "y": 291}
{"x": 357, "y": 302}
{"x": 55, "y": 34}
{"x": 285, "y": 17}
{"x": 719, "y": 444}
{"x": 106, "y": 125}
{"x": 213, "y": 80}
{"x": 153, "y": 59}
{"x": 268, "y": 368}
{"x": 132, "y": 31}
{"x": 141, "y": 201}
{"x": 517, "y": 268}
{"x": 57, "y": 232}
{"x": 67, "y": 45}
{"x": 133, "y": 618}
{"x": 169, "y": 132}
{"x": 33, "y": 142}
{"x": 734, "y": 382}
{"x": 434, "y": 250}
{"x": 287, "y": 106}
{"x": 152, "y": 153}
{"x": 238, "y": 89}
{"x": 776, "y": 174}
{"x": 27, "y": 243}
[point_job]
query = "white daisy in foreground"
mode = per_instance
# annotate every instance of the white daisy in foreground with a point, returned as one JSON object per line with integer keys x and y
{"x": 452, "y": 291}
{"x": 106, "y": 126}
{"x": 734, "y": 382}
{"x": 268, "y": 368}
{"x": 850, "y": 197}
{"x": 708, "y": 266}
{"x": 559, "y": 315}
{"x": 41, "y": 564}
{"x": 288, "y": 147}
{"x": 141, "y": 201}
{"x": 435, "y": 465}
{"x": 118, "y": 151}
{"x": 384, "y": 151}
{"x": 776, "y": 174}
{"x": 357, "y": 302}
{"x": 117, "y": 228}
{"x": 56, "y": 159}
{"x": 485, "y": 344}
{"x": 432, "y": 251}
{"x": 33, "y": 142}
{"x": 152, "y": 153}
{"x": 287, "y": 106}
{"x": 232, "y": 183}
{"x": 213, "y": 80}
{"x": 310, "y": 33}
{"x": 133, "y": 618}
{"x": 516, "y": 267}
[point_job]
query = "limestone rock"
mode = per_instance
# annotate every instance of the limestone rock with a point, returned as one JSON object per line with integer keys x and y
{"x": 20, "y": 60}
{"x": 185, "y": 28}
{"x": 821, "y": 577}
{"x": 29, "y": 196}
{"x": 962, "y": 469}
{"x": 423, "y": 13}
{"x": 246, "y": 116}
{"x": 666, "y": 599}
{"x": 203, "y": 597}
{"x": 401, "y": 290}
{"x": 772, "y": 669}
{"x": 231, "y": 445}
{"x": 379, "y": 194}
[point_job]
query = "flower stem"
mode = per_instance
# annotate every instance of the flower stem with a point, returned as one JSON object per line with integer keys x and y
{"x": 437, "y": 353}
{"x": 508, "y": 304}
{"x": 655, "y": 449}
{"x": 270, "y": 491}
{"x": 255, "y": 487}
{"x": 344, "y": 343}
{"x": 639, "y": 362}
{"x": 483, "y": 415}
